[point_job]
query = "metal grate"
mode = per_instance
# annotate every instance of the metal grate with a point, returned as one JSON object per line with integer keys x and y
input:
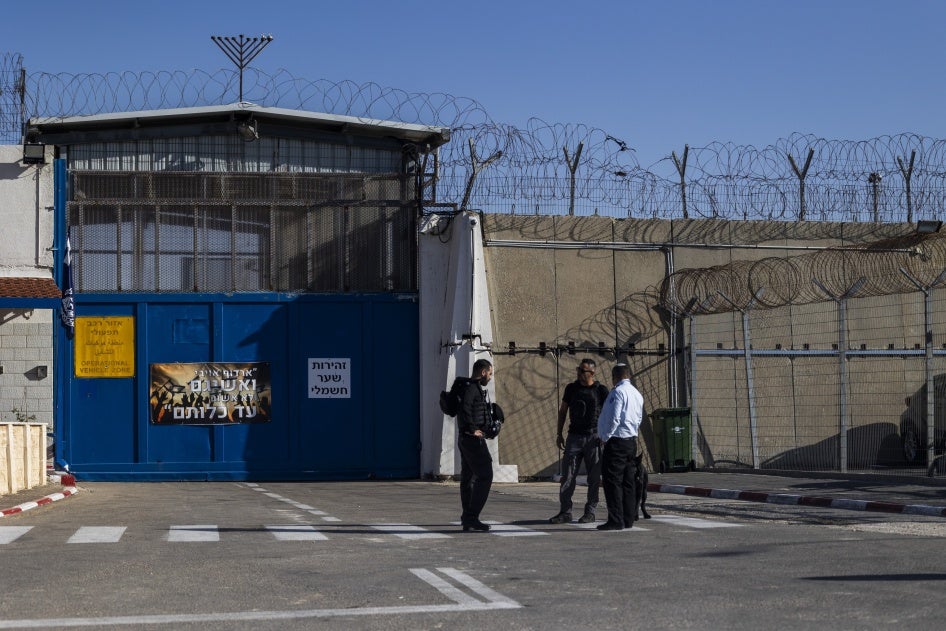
{"x": 245, "y": 232}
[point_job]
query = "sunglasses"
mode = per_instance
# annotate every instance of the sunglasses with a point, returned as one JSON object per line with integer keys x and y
{"x": 586, "y": 371}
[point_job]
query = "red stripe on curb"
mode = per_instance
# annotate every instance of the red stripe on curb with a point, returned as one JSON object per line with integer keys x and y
{"x": 884, "y": 507}
{"x": 754, "y": 496}
{"x": 49, "y": 499}
{"x": 823, "y": 502}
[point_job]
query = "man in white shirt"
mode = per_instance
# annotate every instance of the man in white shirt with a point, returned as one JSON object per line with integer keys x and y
{"x": 618, "y": 424}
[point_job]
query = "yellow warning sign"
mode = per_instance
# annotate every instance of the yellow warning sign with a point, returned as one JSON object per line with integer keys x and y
{"x": 105, "y": 346}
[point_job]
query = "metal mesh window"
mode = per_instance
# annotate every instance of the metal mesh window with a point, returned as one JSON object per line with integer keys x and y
{"x": 230, "y": 154}
{"x": 135, "y": 231}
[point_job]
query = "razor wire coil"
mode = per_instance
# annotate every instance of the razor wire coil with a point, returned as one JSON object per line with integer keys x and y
{"x": 802, "y": 177}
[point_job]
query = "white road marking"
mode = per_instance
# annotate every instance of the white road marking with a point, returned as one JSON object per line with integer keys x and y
{"x": 478, "y": 587}
{"x": 299, "y": 505}
{"x": 192, "y": 534}
{"x": 693, "y": 522}
{"x": 594, "y": 526}
{"x": 296, "y": 532}
{"x": 462, "y": 602}
{"x": 509, "y": 530}
{"x": 443, "y": 587}
{"x": 406, "y": 531}
{"x": 97, "y": 534}
{"x": 9, "y": 534}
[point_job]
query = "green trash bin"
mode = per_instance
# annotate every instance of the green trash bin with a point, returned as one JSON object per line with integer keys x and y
{"x": 672, "y": 431}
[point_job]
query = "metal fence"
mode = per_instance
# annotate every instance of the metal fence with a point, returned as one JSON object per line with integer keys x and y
{"x": 839, "y": 385}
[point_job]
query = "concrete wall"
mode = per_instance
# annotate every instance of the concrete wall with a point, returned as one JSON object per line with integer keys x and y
{"x": 26, "y": 205}
{"x": 592, "y": 280}
{"x": 26, "y": 343}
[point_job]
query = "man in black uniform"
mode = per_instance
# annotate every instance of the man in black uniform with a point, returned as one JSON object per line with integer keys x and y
{"x": 476, "y": 465}
{"x": 582, "y": 401}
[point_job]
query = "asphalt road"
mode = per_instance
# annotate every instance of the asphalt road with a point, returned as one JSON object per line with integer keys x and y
{"x": 390, "y": 555}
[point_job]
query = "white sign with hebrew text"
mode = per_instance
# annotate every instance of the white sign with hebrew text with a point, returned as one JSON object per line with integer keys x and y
{"x": 329, "y": 378}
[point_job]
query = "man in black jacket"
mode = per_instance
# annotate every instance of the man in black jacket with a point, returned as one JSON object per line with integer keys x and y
{"x": 476, "y": 465}
{"x": 582, "y": 402}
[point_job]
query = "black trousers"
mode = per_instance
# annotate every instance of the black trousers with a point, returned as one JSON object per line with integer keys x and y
{"x": 476, "y": 476}
{"x": 617, "y": 470}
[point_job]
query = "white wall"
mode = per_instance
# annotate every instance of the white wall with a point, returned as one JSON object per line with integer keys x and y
{"x": 26, "y": 335}
{"x": 454, "y": 302}
{"x": 26, "y": 206}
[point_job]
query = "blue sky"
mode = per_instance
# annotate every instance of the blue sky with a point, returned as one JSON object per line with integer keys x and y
{"x": 656, "y": 74}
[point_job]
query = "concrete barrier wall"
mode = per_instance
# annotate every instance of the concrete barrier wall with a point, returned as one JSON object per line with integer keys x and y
{"x": 22, "y": 456}
{"x": 594, "y": 280}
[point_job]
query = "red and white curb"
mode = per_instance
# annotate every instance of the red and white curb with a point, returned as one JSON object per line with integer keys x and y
{"x": 800, "y": 500}
{"x": 72, "y": 489}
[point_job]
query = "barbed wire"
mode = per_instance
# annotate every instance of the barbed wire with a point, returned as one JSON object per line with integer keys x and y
{"x": 543, "y": 168}
{"x": 892, "y": 266}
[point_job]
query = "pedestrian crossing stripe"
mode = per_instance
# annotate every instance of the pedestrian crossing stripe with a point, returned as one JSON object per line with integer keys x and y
{"x": 594, "y": 526}
{"x": 694, "y": 522}
{"x": 193, "y": 534}
{"x": 308, "y": 532}
{"x": 406, "y": 531}
{"x": 296, "y": 532}
{"x": 97, "y": 534}
{"x": 9, "y": 534}
{"x": 511, "y": 530}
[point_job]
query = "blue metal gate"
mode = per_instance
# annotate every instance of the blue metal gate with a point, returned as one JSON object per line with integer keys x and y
{"x": 105, "y": 429}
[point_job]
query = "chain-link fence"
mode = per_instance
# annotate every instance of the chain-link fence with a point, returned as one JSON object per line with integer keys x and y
{"x": 837, "y": 385}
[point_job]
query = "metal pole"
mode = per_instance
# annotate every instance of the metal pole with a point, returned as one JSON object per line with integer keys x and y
{"x": 693, "y": 414}
{"x": 801, "y": 174}
{"x": 842, "y": 359}
{"x": 928, "y": 360}
{"x": 930, "y": 389}
{"x": 874, "y": 180}
{"x": 572, "y": 168}
{"x": 681, "y": 171}
{"x": 907, "y": 173}
{"x": 750, "y": 386}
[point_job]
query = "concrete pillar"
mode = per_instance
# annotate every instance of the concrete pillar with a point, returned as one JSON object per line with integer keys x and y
{"x": 455, "y": 331}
